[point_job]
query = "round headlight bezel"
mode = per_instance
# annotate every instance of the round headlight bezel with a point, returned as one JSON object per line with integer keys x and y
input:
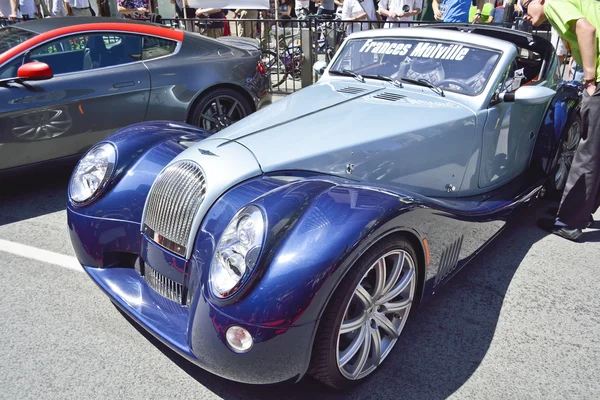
{"x": 111, "y": 166}
{"x": 217, "y": 266}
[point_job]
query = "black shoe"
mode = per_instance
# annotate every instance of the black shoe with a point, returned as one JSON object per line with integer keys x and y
{"x": 554, "y": 211}
{"x": 562, "y": 231}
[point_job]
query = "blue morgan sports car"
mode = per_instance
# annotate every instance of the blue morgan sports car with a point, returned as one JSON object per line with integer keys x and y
{"x": 299, "y": 239}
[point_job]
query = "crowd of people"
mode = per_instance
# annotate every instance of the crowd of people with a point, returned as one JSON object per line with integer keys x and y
{"x": 29, "y": 9}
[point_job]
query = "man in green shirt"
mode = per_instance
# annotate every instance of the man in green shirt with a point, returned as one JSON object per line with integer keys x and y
{"x": 578, "y": 23}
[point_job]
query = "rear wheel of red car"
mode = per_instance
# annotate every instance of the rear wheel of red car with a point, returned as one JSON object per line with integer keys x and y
{"x": 366, "y": 314}
{"x": 219, "y": 109}
{"x": 567, "y": 146}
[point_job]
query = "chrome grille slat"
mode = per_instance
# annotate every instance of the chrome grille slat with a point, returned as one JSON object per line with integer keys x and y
{"x": 173, "y": 203}
{"x": 163, "y": 285}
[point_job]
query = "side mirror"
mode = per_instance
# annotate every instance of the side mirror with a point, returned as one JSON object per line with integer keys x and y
{"x": 528, "y": 95}
{"x": 34, "y": 71}
{"x": 319, "y": 67}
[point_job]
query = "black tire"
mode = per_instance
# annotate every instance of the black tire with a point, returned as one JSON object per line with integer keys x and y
{"x": 213, "y": 111}
{"x": 561, "y": 164}
{"x": 324, "y": 360}
{"x": 275, "y": 67}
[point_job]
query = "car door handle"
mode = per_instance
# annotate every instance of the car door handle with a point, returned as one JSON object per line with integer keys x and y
{"x": 123, "y": 84}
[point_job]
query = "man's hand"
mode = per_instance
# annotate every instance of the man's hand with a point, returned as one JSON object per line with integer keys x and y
{"x": 142, "y": 10}
{"x": 591, "y": 89}
{"x": 477, "y": 18}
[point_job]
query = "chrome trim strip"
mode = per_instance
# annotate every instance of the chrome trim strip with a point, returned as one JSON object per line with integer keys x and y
{"x": 163, "y": 285}
{"x": 164, "y": 242}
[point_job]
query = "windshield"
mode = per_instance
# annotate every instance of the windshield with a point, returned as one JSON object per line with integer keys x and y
{"x": 455, "y": 67}
{"x": 10, "y": 37}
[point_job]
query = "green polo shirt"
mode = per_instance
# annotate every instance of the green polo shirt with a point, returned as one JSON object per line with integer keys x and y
{"x": 562, "y": 15}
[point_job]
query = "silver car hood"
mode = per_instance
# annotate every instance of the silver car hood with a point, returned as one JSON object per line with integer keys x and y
{"x": 365, "y": 132}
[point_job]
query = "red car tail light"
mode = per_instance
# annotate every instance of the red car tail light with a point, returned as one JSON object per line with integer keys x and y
{"x": 260, "y": 67}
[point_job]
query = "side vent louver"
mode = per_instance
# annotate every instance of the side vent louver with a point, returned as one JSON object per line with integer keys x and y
{"x": 352, "y": 90}
{"x": 449, "y": 260}
{"x": 389, "y": 96}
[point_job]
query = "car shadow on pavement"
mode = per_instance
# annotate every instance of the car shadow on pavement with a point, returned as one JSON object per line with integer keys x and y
{"x": 29, "y": 194}
{"x": 443, "y": 343}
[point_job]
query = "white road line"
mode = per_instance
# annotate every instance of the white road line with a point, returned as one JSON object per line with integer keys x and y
{"x": 34, "y": 253}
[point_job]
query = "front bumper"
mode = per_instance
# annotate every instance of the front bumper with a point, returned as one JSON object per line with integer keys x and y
{"x": 197, "y": 332}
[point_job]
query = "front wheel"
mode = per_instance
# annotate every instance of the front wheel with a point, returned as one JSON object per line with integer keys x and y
{"x": 366, "y": 314}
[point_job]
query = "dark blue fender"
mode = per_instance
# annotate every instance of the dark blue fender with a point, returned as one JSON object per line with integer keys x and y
{"x": 318, "y": 227}
{"x": 563, "y": 105}
{"x": 113, "y": 219}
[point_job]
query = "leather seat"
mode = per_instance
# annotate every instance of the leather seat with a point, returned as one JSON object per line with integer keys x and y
{"x": 95, "y": 53}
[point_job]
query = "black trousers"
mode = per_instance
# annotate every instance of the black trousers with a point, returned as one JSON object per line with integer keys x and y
{"x": 581, "y": 197}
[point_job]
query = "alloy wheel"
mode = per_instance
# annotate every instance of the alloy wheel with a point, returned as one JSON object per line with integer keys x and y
{"x": 376, "y": 314}
{"x": 220, "y": 112}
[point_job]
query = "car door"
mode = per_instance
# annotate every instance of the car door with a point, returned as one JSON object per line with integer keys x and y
{"x": 509, "y": 135}
{"x": 99, "y": 85}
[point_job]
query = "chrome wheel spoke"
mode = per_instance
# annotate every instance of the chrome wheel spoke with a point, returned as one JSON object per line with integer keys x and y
{"x": 363, "y": 356}
{"x": 402, "y": 285}
{"x": 364, "y": 297}
{"x": 376, "y": 338}
{"x": 354, "y": 347}
{"x": 353, "y": 324}
{"x": 387, "y": 325}
{"x": 395, "y": 273}
{"x": 379, "y": 278}
{"x": 389, "y": 308}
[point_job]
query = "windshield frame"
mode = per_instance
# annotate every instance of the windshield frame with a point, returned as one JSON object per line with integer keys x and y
{"x": 15, "y": 33}
{"x": 336, "y": 65}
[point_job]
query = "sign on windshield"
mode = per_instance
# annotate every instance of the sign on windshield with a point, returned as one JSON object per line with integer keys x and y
{"x": 453, "y": 66}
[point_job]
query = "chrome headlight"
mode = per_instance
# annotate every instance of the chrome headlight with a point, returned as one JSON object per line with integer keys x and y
{"x": 238, "y": 251}
{"x": 92, "y": 173}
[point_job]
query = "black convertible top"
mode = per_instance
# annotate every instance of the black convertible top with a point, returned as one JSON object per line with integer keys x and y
{"x": 41, "y": 25}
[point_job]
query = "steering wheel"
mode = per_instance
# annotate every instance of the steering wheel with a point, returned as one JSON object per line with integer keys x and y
{"x": 463, "y": 85}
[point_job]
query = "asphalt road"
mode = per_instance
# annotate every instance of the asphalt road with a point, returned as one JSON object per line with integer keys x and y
{"x": 521, "y": 321}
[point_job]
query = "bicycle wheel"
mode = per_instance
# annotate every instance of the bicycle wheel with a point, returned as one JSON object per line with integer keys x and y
{"x": 275, "y": 66}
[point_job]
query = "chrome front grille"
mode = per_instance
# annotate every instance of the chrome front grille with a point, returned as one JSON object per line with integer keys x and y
{"x": 172, "y": 205}
{"x": 163, "y": 285}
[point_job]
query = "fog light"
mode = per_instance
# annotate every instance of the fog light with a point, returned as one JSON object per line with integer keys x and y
{"x": 239, "y": 339}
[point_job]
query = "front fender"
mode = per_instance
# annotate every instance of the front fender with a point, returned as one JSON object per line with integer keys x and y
{"x": 317, "y": 228}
